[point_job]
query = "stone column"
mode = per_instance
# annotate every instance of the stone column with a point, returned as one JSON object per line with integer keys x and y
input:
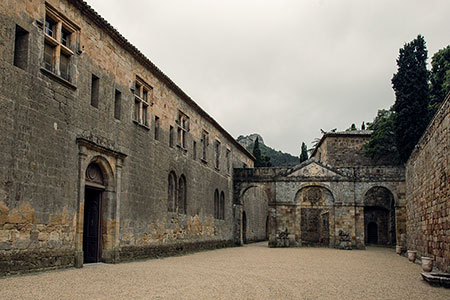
{"x": 116, "y": 247}
{"x": 82, "y": 155}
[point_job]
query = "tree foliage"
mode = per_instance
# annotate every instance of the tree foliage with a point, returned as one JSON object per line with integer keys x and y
{"x": 304, "y": 153}
{"x": 411, "y": 89}
{"x": 260, "y": 160}
{"x": 381, "y": 146}
{"x": 439, "y": 78}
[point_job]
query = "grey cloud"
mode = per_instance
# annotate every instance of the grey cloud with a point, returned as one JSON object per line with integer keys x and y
{"x": 283, "y": 69}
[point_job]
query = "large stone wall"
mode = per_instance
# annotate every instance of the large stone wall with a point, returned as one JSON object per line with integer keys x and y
{"x": 428, "y": 191}
{"x": 51, "y": 133}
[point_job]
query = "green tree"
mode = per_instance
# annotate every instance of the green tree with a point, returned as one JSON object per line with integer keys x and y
{"x": 304, "y": 153}
{"x": 363, "y": 126}
{"x": 439, "y": 78}
{"x": 260, "y": 160}
{"x": 381, "y": 146}
{"x": 352, "y": 127}
{"x": 257, "y": 154}
{"x": 410, "y": 84}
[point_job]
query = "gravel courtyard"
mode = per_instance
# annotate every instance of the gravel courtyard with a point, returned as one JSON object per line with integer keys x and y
{"x": 251, "y": 272}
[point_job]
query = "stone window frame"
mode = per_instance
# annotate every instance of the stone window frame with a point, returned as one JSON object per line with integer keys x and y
{"x": 181, "y": 205}
{"x": 205, "y": 143}
{"x": 61, "y": 36}
{"x": 157, "y": 128}
{"x": 222, "y": 206}
{"x": 172, "y": 192}
{"x": 219, "y": 205}
{"x": 228, "y": 160}
{"x": 217, "y": 145}
{"x": 177, "y": 193}
{"x": 143, "y": 95}
{"x": 182, "y": 129}
{"x": 216, "y": 204}
{"x": 21, "y": 47}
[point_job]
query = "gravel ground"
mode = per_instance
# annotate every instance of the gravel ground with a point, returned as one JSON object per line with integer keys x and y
{"x": 251, "y": 272}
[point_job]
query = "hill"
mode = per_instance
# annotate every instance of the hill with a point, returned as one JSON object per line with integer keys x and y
{"x": 278, "y": 158}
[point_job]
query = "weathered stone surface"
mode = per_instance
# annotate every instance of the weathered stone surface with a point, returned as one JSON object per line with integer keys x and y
{"x": 51, "y": 132}
{"x": 324, "y": 205}
{"x": 428, "y": 192}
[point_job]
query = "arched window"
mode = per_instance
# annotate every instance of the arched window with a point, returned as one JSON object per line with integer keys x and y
{"x": 172, "y": 191}
{"x": 222, "y": 206}
{"x": 216, "y": 204}
{"x": 181, "y": 205}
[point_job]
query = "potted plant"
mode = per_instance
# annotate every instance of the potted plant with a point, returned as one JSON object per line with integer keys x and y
{"x": 427, "y": 263}
{"x": 412, "y": 255}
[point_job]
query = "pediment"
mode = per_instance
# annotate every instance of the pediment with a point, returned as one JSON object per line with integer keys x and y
{"x": 313, "y": 168}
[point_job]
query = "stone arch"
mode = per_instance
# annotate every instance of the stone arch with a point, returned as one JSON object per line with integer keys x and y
{"x": 387, "y": 187}
{"x": 182, "y": 195}
{"x": 222, "y": 206}
{"x": 216, "y": 204}
{"x": 252, "y": 185}
{"x": 99, "y": 211}
{"x": 379, "y": 209}
{"x": 255, "y": 202}
{"x": 314, "y": 195}
{"x": 171, "y": 191}
{"x": 314, "y": 216}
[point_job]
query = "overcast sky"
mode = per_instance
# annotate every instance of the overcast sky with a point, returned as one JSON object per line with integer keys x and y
{"x": 283, "y": 69}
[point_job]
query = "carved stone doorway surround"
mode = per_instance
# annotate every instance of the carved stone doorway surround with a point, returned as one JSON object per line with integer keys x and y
{"x": 110, "y": 163}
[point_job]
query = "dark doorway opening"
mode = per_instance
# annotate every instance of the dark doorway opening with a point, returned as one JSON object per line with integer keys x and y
{"x": 372, "y": 233}
{"x": 92, "y": 233}
{"x": 244, "y": 227}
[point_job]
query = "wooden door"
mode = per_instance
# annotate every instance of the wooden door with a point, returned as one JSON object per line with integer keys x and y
{"x": 92, "y": 225}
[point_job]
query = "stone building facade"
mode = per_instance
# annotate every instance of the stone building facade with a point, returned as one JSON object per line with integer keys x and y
{"x": 103, "y": 157}
{"x": 337, "y": 198}
{"x": 428, "y": 191}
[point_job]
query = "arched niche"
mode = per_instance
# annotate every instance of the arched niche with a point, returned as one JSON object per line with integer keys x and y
{"x": 314, "y": 216}
{"x": 255, "y": 203}
{"x": 379, "y": 214}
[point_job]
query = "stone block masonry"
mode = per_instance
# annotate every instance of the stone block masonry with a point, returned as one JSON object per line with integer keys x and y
{"x": 90, "y": 131}
{"x": 428, "y": 191}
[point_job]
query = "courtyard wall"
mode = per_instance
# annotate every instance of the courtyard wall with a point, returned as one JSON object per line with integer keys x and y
{"x": 428, "y": 191}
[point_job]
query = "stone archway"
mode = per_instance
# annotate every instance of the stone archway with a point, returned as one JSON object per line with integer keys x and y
{"x": 379, "y": 215}
{"x": 315, "y": 216}
{"x": 255, "y": 203}
{"x": 93, "y": 217}
{"x": 99, "y": 188}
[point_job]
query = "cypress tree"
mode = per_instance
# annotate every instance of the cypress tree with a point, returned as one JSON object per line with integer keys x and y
{"x": 304, "y": 153}
{"x": 410, "y": 84}
{"x": 257, "y": 154}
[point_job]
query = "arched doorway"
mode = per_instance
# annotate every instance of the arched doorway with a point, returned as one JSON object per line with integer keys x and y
{"x": 379, "y": 216}
{"x": 92, "y": 228}
{"x": 244, "y": 227}
{"x": 372, "y": 233}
